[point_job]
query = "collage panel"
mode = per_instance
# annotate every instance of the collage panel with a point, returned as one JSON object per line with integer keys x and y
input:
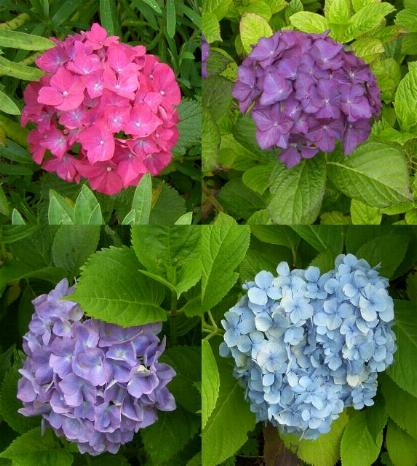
{"x": 309, "y": 111}
{"x": 308, "y": 349}
{"x": 100, "y": 346}
{"x": 100, "y": 109}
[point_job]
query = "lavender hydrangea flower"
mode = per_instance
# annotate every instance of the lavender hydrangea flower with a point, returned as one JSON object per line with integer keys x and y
{"x": 205, "y": 52}
{"x": 94, "y": 383}
{"x": 306, "y": 93}
{"x": 306, "y": 345}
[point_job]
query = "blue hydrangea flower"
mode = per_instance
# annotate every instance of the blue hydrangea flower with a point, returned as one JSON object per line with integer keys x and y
{"x": 92, "y": 382}
{"x": 306, "y": 345}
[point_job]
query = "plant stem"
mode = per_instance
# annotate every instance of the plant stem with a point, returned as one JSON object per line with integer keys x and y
{"x": 275, "y": 452}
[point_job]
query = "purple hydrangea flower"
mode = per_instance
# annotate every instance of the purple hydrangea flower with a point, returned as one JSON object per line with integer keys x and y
{"x": 94, "y": 383}
{"x": 205, "y": 52}
{"x": 305, "y": 93}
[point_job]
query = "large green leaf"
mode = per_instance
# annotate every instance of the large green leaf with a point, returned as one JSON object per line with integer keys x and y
{"x": 72, "y": 246}
{"x": 210, "y": 382}
{"x": 307, "y": 21}
{"x": 322, "y": 238}
{"x": 297, "y": 193}
{"x": 402, "y": 448}
{"x": 87, "y": 210}
{"x": 405, "y": 360}
{"x": 142, "y": 203}
{"x": 186, "y": 360}
{"x": 170, "y": 252}
{"x": 405, "y": 102}
{"x": 359, "y": 447}
{"x": 169, "y": 435}
{"x": 222, "y": 250}
{"x": 324, "y": 451}
{"x": 112, "y": 289}
{"x": 375, "y": 173}
{"x": 34, "y": 449}
{"x": 7, "y": 105}
{"x": 369, "y": 17}
{"x": 23, "y": 41}
{"x": 19, "y": 71}
{"x": 228, "y": 426}
{"x": 375, "y": 251}
{"x": 252, "y": 28}
{"x": 401, "y": 406}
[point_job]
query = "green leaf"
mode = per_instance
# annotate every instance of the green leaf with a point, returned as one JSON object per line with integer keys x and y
{"x": 17, "y": 218}
{"x": 7, "y": 105}
{"x": 324, "y": 451}
{"x": 112, "y": 289}
{"x": 222, "y": 250}
{"x": 297, "y": 193}
{"x": 210, "y": 142}
{"x": 19, "y": 71}
{"x": 402, "y": 448}
{"x": 168, "y": 206}
{"x": 400, "y": 405}
{"x": 224, "y": 433}
{"x": 388, "y": 75}
{"x": 189, "y": 126}
{"x": 142, "y": 203}
{"x": 369, "y": 17}
{"x": 338, "y": 12}
{"x": 405, "y": 359}
{"x": 106, "y": 16}
{"x": 374, "y": 173}
{"x": 281, "y": 235}
{"x": 65, "y": 11}
{"x": 407, "y": 19}
{"x": 73, "y": 245}
{"x": 405, "y": 102}
{"x": 210, "y": 382}
{"x": 252, "y": 28}
{"x": 154, "y": 5}
{"x": 87, "y": 210}
{"x": 258, "y": 178}
{"x": 171, "y": 18}
{"x": 322, "y": 238}
{"x": 171, "y": 252}
{"x": 23, "y": 41}
{"x": 307, "y": 21}
{"x": 60, "y": 212}
{"x": 169, "y": 435}
{"x": 185, "y": 219}
{"x": 363, "y": 214}
{"x": 9, "y": 404}
{"x": 375, "y": 251}
{"x": 186, "y": 360}
{"x": 210, "y": 27}
{"x": 238, "y": 200}
{"x": 34, "y": 449}
{"x": 359, "y": 447}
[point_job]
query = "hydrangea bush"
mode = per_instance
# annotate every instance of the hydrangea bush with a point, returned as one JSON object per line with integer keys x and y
{"x": 309, "y": 112}
{"x": 307, "y": 345}
{"x": 104, "y": 111}
{"x": 306, "y": 93}
{"x": 96, "y": 384}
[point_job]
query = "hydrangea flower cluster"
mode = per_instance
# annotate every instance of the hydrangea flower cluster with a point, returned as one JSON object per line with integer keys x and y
{"x": 92, "y": 382}
{"x": 306, "y": 345}
{"x": 306, "y": 93}
{"x": 105, "y": 111}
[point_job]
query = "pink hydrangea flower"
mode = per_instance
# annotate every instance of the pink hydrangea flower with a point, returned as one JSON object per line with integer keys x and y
{"x": 104, "y": 111}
